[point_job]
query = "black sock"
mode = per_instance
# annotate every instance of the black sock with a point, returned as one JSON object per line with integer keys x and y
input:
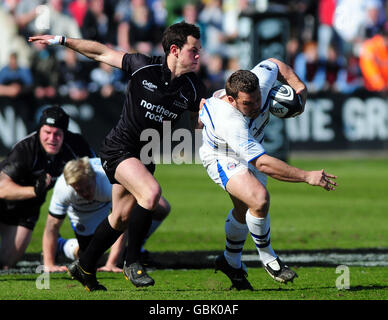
{"x": 139, "y": 223}
{"x": 102, "y": 240}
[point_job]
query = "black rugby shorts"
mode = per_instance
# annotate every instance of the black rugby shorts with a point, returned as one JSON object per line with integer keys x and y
{"x": 112, "y": 155}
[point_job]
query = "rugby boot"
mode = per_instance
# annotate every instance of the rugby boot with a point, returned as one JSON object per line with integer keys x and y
{"x": 237, "y": 276}
{"x": 88, "y": 280}
{"x": 280, "y": 272}
{"x": 138, "y": 276}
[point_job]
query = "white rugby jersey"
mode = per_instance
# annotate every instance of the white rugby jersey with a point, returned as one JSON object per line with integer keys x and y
{"x": 84, "y": 215}
{"x": 227, "y": 132}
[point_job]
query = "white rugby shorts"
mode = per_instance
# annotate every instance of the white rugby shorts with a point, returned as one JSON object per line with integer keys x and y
{"x": 220, "y": 169}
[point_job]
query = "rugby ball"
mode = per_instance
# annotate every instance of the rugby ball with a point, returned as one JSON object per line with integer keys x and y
{"x": 285, "y": 102}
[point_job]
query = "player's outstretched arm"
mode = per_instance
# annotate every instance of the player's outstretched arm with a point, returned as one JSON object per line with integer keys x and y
{"x": 280, "y": 170}
{"x": 91, "y": 49}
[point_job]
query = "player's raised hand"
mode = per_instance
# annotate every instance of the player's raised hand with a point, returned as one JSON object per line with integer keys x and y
{"x": 47, "y": 39}
{"x": 322, "y": 179}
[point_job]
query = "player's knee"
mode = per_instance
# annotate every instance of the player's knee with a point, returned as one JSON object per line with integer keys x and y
{"x": 151, "y": 199}
{"x": 260, "y": 206}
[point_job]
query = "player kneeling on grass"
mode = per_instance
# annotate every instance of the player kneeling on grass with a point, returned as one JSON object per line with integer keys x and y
{"x": 233, "y": 131}
{"x": 84, "y": 193}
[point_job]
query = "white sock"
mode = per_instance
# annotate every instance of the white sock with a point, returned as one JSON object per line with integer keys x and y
{"x": 260, "y": 232}
{"x": 154, "y": 225}
{"x": 236, "y": 234}
{"x": 70, "y": 247}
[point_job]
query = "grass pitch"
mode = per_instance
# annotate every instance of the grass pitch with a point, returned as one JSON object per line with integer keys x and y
{"x": 302, "y": 218}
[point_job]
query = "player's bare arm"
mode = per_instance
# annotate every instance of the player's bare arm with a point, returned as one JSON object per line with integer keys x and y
{"x": 287, "y": 75}
{"x": 10, "y": 190}
{"x": 49, "y": 244}
{"x": 91, "y": 49}
{"x": 280, "y": 170}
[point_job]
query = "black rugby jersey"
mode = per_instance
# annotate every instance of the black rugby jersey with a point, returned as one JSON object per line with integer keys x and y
{"x": 27, "y": 161}
{"x": 152, "y": 97}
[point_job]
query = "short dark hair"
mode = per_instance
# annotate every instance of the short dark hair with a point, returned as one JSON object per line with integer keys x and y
{"x": 241, "y": 81}
{"x": 177, "y": 34}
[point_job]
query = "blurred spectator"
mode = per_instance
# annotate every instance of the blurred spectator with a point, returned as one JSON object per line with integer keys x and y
{"x": 78, "y": 9}
{"x": 327, "y": 35}
{"x": 11, "y": 41}
{"x": 374, "y": 61}
{"x": 73, "y": 76}
{"x": 210, "y": 18}
{"x": 60, "y": 23}
{"x": 14, "y": 80}
{"x": 231, "y": 11}
{"x": 375, "y": 17}
{"x": 25, "y": 13}
{"x": 44, "y": 68}
{"x": 215, "y": 74}
{"x": 139, "y": 31}
{"x": 96, "y": 25}
{"x": 350, "y": 79}
{"x": 309, "y": 68}
{"x": 334, "y": 70}
{"x": 292, "y": 50}
{"x": 106, "y": 80}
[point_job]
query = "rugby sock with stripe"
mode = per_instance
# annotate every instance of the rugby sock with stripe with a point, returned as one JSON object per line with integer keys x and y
{"x": 236, "y": 234}
{"x": 260, "y": 232}
{"x": 139, "y": 223}
{"x": 102, "y": 240}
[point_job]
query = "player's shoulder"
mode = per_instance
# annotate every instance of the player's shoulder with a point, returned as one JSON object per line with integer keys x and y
{"x": 133, "y": 62}
{"x": 26, "y": 149}
{"x": 78, "y": 144}
{"x": 61, "y": 188}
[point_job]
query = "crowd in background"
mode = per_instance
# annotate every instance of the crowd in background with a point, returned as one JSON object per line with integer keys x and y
{"x": 335, "y": 45}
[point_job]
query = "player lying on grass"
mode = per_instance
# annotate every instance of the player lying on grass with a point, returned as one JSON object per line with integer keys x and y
{"x": 232, "y": 152}
{"x": 84, "y": 193}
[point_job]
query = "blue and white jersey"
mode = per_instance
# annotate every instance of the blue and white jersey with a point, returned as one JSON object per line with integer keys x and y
{"x": 84, "y": 215}
{"x": 227, "y": 132}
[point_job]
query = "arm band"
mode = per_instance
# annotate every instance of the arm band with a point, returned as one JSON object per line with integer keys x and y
{"x": 57, "y": 40}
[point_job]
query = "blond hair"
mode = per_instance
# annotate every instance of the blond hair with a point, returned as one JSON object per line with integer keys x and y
{"x": 77, "y": 169}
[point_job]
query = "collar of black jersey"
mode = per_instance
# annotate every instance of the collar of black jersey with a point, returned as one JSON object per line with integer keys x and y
{"x": 166, "y": 71}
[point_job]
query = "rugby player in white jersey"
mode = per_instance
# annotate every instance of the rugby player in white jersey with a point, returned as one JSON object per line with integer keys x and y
{"x": 84, "y": 193}
{"x": 233, "y": 122}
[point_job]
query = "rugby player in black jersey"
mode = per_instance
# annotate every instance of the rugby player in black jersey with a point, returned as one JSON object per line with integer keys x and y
{"x": 160, "y": 89}
{"x": 26, "y": 174}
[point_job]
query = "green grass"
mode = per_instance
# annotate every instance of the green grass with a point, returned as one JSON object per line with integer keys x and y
{"x": 313, "y": 284}
{"x": 302, "y": 217}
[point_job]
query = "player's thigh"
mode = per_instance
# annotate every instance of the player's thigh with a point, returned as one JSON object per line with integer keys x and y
{"x": 14, "y": 242}
{"x": 132, "y": 174}
{"x": 245, "y": 187}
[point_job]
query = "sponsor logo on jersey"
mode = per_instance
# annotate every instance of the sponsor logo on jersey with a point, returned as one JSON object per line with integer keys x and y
{"x": 149, "y": 85}
{"x": 231, "y": 165}
{"x": 180, "y": 104}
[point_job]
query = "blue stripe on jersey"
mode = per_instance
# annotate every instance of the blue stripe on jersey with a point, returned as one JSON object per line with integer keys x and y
{"x": 250, "y": 123}
{"x": 210, "y": 139}
{"x": 259, "y": 155}
{"x": 204, "y": 105}
{"x": 266, "y": 104}
{"x": 223, "y": 176}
